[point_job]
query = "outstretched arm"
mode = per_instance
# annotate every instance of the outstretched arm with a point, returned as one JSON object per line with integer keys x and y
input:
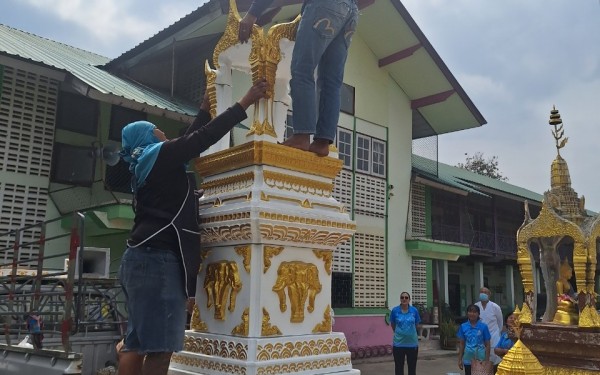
{"x": 256, "y": 10}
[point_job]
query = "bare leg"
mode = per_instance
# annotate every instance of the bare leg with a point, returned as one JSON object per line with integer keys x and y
{"x": 299, "y": 141}
{"x": 157, "y": 363}
{"x": 130, "y": 363}
{"x": 319, "y": 146}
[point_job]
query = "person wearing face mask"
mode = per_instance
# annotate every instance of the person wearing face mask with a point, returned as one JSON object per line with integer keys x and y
{"x": 491, "y": 315}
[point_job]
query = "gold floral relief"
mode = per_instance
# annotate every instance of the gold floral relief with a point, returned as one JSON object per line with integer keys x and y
{"x": 302, "y": 235}
{"x": 297, "y": 367}
{"x": 286, "y": 350}
{"x": 266, "y": 328}
{"x": 303, "y": 185}
{"x": 327, "y": 256}
{"x": 204, "y": 253}
{"x": 301, "y": 282}
{"x": 307, "y": 220}
{"x": 228, "y": 184}
{"x": 211, "y": 88}
{"x": 222, "y": 284}
{"x": 243, "y": 328}
{"x": 268, "y": 253}
{"x": 216, "y": 348}
{"x": 206, "y": 364}
{"x": 244, "y": 251}
{"x": 230, "y": 36}
{"x": 325, "y": 325}
{"x": 196, "y": 323}
{"x": 225, "y": 233}
{"x": 267, "y": 153}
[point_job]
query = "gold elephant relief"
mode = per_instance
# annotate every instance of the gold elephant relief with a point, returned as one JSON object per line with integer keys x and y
{"x": 301, "y": 281}
{"x": 222, "y": 282}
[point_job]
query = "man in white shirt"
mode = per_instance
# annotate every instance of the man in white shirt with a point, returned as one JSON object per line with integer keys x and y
{"x": 491, "y": 314}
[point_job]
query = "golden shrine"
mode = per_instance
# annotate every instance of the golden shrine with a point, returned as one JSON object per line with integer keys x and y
{"x": 564, "y": 240}
{"x": 269, "y": 225}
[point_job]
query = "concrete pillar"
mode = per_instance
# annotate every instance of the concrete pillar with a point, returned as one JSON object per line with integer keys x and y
{"x": 478, "y": 276}
{"x": 510, "y": 286}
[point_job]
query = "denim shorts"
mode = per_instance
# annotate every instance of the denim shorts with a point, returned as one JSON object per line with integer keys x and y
{"x": 153, "y": 283}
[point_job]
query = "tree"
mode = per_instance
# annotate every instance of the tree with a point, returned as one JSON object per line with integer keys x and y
{"x": 485, "y": 167}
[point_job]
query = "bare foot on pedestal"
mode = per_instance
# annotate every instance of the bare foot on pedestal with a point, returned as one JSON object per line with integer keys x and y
{"x": 320, "y": 147}
{"x": 299, "y": 141}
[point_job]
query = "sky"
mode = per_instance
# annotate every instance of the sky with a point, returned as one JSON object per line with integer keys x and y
{"x": 515, "y": 59}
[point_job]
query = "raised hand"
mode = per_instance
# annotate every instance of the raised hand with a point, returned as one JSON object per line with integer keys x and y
{"x": 256, "y": 92}
{"x": 246, "y": 27}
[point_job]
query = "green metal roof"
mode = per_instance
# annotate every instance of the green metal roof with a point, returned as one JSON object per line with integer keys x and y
{"x": 470, "y": 182}
{"x": 86, "y": 66}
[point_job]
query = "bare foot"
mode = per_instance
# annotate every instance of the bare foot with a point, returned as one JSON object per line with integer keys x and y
{"x": 299, "y": 141}
{"x": 320, "y": 147}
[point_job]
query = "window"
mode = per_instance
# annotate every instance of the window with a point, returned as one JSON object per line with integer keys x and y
{"x": 341, "y": 290}
{"x": 344, "y": 146}
{"x": 121, "y": 116}
{"x": 347, "y": 99}
{"x": 378, "y": 165}
{"x": 73, "y": 165}
{"x": 363, "y": 153}
{"x": 77, "y": 113}
{"x": 118, "y": 178}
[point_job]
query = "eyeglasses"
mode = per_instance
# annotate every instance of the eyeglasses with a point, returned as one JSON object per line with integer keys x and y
{"x": 404, "y": 297}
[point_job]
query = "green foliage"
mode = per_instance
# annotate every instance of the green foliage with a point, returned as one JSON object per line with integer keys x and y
{"x": 448, "y": 329}
{"x": 485, "y": 167}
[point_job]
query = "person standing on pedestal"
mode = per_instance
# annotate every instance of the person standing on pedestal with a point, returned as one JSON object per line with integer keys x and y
{"x": 404, "y": 320}
{"x": 491, "y": 315}
{"x": 323, "y": 38}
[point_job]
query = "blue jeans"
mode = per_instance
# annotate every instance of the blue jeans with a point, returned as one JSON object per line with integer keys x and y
{"x": 152, "y": 280}
{"x": 322, "y": 40}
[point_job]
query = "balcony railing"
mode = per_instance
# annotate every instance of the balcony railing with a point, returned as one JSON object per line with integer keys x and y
{"x": 480, "y": 242}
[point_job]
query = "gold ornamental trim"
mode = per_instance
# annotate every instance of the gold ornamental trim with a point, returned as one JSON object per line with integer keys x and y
{"x": 212, "y": 235}
{"x": 567, "y": 371}
{"x": 243, "y": 328}
{"x": 304, "y": 366}
{"x": 228, "y": 184}
{"x": 303, "y": 185}
{"x": 211, "y": 88}
{"x": 216, "y": 348}
{"x": 267, "y": 153}
{"x": 206, "y": 364}
{"x": 302, "y": 235}
{"x": 327, "y": 256}
{"x": 227, "y": 217}
{"x": 266, "y": 328}
{"x": 244, "y": 251}
{"x": 298, "y": 349}
{"x": 230, "y": 36}
{"x": 307, "y": 220}
{"x": 196, "y": 323}
{"x": 325, "y": 325}
{"x": 270, "y": 252}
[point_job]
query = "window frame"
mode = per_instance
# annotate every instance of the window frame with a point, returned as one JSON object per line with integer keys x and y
{"x": 130, "y": 115}
{"x": 358, "y": 167}
{"x": 384, "y": 156}
{"x": 341, "y": 155}
{"x": 65, "y": 116}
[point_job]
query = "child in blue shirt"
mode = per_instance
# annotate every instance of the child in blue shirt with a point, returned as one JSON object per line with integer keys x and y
{"x": 474, "y": 337}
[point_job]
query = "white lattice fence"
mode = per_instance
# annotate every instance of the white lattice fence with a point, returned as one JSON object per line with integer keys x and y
{"x": 369, "y": 270}
{"x": 417, "y": 225}
{"x": 419, "y": 281}
{"x": 342, "y": 192}
{"x": 27, "y": 115}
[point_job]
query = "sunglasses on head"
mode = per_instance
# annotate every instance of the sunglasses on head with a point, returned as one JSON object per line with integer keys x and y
{"x": 405, "y": 297}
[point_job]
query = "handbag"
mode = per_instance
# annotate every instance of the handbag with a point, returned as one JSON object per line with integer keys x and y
{"x": 482, "y": 367}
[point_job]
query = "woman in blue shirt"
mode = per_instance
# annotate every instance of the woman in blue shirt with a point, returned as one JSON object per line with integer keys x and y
{"x": 474, "y": 337}
{"x": 404, "y": 320}
{"x": 508, "y": 338}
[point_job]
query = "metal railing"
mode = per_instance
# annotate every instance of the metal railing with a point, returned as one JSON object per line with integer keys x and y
{"x": 68, "y": 304}
{"x": 480, "y": 242}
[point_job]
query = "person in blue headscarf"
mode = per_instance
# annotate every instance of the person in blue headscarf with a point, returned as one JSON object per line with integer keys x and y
{"x": 159, "y": 267}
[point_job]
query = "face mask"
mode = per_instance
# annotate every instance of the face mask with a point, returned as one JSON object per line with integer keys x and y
{"x": 483, "y": 297}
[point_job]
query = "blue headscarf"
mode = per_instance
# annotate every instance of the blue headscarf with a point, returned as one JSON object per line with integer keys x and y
{"x": 140, "y": 150}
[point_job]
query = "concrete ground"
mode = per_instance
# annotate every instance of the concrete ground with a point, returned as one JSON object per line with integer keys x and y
{"x": 430, "y": 362}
